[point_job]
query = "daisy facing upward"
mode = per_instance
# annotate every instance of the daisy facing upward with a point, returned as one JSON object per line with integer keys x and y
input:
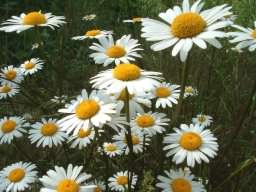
{"x": 31, "y": 66}
{"x": 93, "y": 34}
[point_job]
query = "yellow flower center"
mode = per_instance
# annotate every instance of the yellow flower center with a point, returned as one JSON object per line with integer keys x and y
{"x": 97, "y": 189}
{"x": 145, "y": 121}
{"x": 189, "y": 90}
{"x": 8, "y": 126}
{"x": 87, "y": 109}
{"x": 10, "y": 75}
{"x": 16, "y": 175}
{"x": 49, "y": 129}
{"x": 163, "y": 92}
{"x": 190, "y": 141}
{"x": 201, "y": 118}
{"x": 34, "y": 18}
{"x": 254, "y": 34}
{"x": 181, "y": 185}
{"x": 115, "y": 51}
{"x": 123, "y": 96}
{"x": 93, "y": 33}
{"x": 5, "y": 89}
{"x": 135, "y": 140}
{"x": 84, "y": 133}
{"x": 29, "y": 65}
{"x": 187, "y": 25}
{"x": 68, "y": 185}
{"x": 136, "y": 19}
{"x": 126, "y": 72}
{"x": 122, "y": 180}
{"x": 111, "y": 147}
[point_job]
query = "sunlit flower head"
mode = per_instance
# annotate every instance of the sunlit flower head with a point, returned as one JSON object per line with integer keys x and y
{"x": 32, "y": 19}
{"x": 31, "y": 66}
{"x": 89, "y": 17}
{"x": 185, "y": 26}
{"x": 18, "y": 176}
{"x": 11, "y": 74}
{"x": 124, "y": 50}
{"x": 245, "y": 37}
{"x": 190, "y": 91}
{"x": 83, "y": 138}
{"x": 179, "y": 181}
{"x": 191, "y": 143}
{"x": 202, "y": 120}
{"x": 47, "y": 133}
{"x": 12, "y": 127}
{"x": 150, "y": 123}
{"x": 93, "y": 34}
{"x": 112, "y": 149}
{"x": 133, "y": 20}
{"x": 70, "y": 180}
{"x": 8, "y": 90}
{"x": 87, "y": 111}
{"x": 166, "y": 94}
{"x": 119, "y": 181}
{"x": 126, "y": 75}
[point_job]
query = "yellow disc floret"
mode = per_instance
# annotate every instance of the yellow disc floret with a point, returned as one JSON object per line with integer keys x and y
{"x": 116, "y": 51}
{"x": 49, "y": 129}
{"x": 181, "y": 185}
{"x": 135, "y": 140}
{"x": 111, "y": 147}
{"x": 34, "y": 18}
{"x": 68, "y": 185}
{"x": 84, "y": 133}
{"x": 254, "y": 34}
{"x": 16, "y": 175}
{"x": 93, "y": 33}
{"x": 87, "y": 109}
{"x": 187, "y": 25}
{"x": 29, "y": 65}
{"x": 122, "y": 180}
{"x": 163, "y": 92}
{"x": 136, "y": 19}
{"x": 127, "y": 72}
{"x": 5, "y": 89}
{"x": 8, "y": 126}
{"x": 190, "y": 141}
{"x": 145, "y": 121}
{"x": 201, "y": 118}
{"x": 10, "y": 75}
{"x": 123, "y": 95}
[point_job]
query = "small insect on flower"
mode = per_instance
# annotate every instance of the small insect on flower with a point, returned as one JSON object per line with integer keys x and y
{"x": 12, "y": 127}
{"x": 70, "y": 180}
{"x": 83, "y": 138}
{"x": 123, "y": 50}
{"x": 32, "y": 19}
{"x": 150, "y": 123}
{"x": 126, "y": 76}
{"x": 119, "y": 182}
{"x": 31, "y": 66}
{"x": 18, "y": 176}
{"x": 179, "y": 181}
{"x": 133, "y": 20}
{"x": 192, "y": 143}
{"x": 11, "y": 74}
{"x": 93, "y": 34}
{"x": 8, "y": 90}
{"x": 202, "y": 120}
{"x": 190, "y": 91}
{"x": 112, "y": 149}
{"x": 185, "y": 26}
{"x": 166, "y": 95}
{"x": 89, "y": 17}
{"x": 46, "y": 133}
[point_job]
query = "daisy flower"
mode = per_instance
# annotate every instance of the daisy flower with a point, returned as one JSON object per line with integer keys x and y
{"x": 192, "y": 143}
{"x": 83, "y": 138}
{"x": 32, "y": 19}
{"x": 8, "y": 90}
{"x": 166, "y": 95}
{"x": 70, "y": 180}
{"x": 12, "y": 127}
{"x": 11, "y": 74}
{"x": 18, "y": 176}
{"x": 133, "y": 20}
{"x": 119, "y": 182}
{"x": 87, "y": 111}
{"x": 245, "y": 37}
{"x": 150, "y": 123}
{"x": 93, "y": 34}
{"x": 128, "y": 76}
{"x": 185, "y": 26}
{"x": 123, "y": 50}
{"x": 46, "y": 133}
{"x": 179, "y": 181}
{"x": 202, "y": 120}
{"x": 117, "y": 122}
{"x": 89, "y": 17}
{"x": 100, "y": 186}
{"x": 112, "y": 149}
{"x": 190, "y": 91}
{"x": 138, "y": 141}
{"x": 31, "y": 66}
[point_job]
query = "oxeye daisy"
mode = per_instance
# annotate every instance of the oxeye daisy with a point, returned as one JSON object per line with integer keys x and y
{"x": 46, "y": 133}
{"x": 112, "y": 149}
{"x": 245, "y": 37}
{"x": 32, "y": 19}
{"x": 179, "y": 181}
{"x": 123, "y": 50}
{"x": 70, "y": 180}
{"x": 83, "y": 138}
{"x": 133, "y": 20}
{"x": 12, "y": 127}
{"x": 18, "y": 176}
{"x": 138, "y": 141}
{"x": 100, "y": 186}
{"x": 190, "y": 91}
{"x": 93, "y": 34}
{"x": 119, "y": 182}
{"x": 202, "y": 120}
{"x": 192, "y": 143}
{"x": 150, "y": 123}
{"x": 8, "y": 90}
{"x": 87, "y": 111}
{"x": 185, "y": 26}
{"x": 31, "y": 66}
{"x": 166, "y": 95}
{"x": 11, "y": 74}
{"x": 128, "y": 76}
